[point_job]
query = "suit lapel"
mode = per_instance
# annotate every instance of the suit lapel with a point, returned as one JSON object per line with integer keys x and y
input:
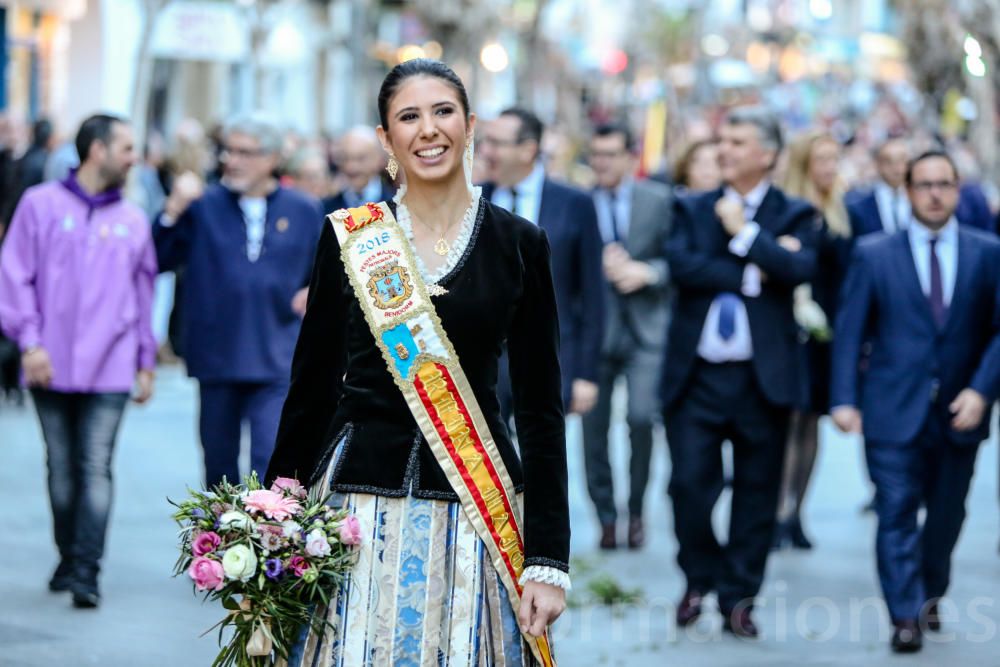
{"x": 545, "y": 207}
{"x": 967, "y": 256}
{"x": 907, "y": 270}
{"x": 638, "y": 216}
{"x": 767, "y": 213}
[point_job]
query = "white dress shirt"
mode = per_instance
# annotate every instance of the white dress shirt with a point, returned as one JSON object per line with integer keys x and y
{"x": 529, "y": 195}
{"x": 254, "y": 216}
{"x": 947, "y": 254}
{"x": 711, "y": 346}
{"x": 893, "y": 207}
{"x": 622, "y": 211}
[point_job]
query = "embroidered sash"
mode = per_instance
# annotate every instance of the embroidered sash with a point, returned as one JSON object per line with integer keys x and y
{"x": 395, "y": 300}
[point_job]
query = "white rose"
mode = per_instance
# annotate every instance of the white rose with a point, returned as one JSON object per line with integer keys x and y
{"x": 234, "y": 519}
{"x": 239, "y": 563}
{"x": 290, "y": 529}
{"x": 317, "y": 544}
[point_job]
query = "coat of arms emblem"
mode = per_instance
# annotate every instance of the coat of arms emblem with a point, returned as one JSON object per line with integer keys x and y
{"x": 390, "y": 285}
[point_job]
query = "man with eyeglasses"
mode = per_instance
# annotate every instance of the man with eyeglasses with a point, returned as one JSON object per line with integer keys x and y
{"x": 928, "y": 300}
{"x": 510, "y": 148}
{"x": 248, "y": 245}
{"x": 634, "y": 218}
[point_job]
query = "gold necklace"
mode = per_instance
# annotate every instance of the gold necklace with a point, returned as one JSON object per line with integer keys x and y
{"x": 441, "y": 247}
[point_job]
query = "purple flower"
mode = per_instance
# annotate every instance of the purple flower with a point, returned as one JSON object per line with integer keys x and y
{"x": 198, "y": 513}
{"x": 273, "y": 568}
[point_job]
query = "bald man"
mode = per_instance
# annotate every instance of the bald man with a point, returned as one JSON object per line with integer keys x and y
{"x": 361, "y": 160}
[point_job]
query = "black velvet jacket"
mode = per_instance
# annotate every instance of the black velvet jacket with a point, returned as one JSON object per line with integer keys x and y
{"x": 500, "y": 290}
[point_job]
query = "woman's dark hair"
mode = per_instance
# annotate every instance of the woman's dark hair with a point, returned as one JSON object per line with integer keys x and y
{"x": 418, "y": 67}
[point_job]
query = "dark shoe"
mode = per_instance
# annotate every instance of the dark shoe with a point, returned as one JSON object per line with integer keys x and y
{"x": 689, "y": 608}
{"x": 85, "y": 592}
{"x": 932, "y": 617}
{"x": 740, "y": 624}
{"x": 906, "y": 638}
{"x": 781, "y": 538}
{"x": 608, "y": 538}
{"x": 62, "y": 578}
{"x": 636, "y": 533}
{"x": 797, "y": 537}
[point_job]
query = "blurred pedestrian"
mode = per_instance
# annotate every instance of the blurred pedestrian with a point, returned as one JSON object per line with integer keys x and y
{"x": 310, "y": 173}
{"x": 697, "y": 169}
{"x": 29, "y": 169}
{"x": 736, "y": 254}
{"x": 886, "y": 208}
{"x": 248, "y": 246}
{"x": 813, "y": 175}
{"x": 76, "y": 284}
{"x": 926, "y": 299}
{"x": 361, "y": 163}
{"x": 634, "y": 219}
{"x": 510, "y": 150}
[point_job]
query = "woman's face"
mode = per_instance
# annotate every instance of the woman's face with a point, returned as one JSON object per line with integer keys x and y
{"x": 704, "y": 173}
{"x": 427, "y": 130}
{"x": 824, "y": 162}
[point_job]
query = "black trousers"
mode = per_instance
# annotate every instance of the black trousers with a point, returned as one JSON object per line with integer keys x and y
{"x": 724, "y": 402}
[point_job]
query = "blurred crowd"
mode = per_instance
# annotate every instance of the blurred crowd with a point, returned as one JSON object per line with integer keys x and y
{"x": 637, "y": 240}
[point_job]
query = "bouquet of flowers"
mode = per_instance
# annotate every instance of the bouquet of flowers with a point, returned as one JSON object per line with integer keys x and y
{"x": 268, "y": 555}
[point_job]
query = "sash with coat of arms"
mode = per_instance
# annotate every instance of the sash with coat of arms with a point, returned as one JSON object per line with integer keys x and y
{"x": 397, "y": 305}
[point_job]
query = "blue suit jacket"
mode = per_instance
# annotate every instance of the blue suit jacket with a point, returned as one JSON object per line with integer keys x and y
{"x": 914, "y": 366}
{"x": 569, "y": 219}
{"x": 238, "y": 322}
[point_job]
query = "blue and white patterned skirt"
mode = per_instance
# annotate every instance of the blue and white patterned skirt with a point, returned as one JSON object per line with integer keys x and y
{"x": 423, "y": 593}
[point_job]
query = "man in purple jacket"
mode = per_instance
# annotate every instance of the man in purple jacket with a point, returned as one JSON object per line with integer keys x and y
{"x": 76, "y": 286}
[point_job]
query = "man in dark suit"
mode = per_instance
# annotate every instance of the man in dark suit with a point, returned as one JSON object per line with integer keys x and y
{"x": 736, "y": 255}
{"x": 634, "y": 219}
{"x": 360, "y": 159}
{"x": 886, "y": 208}
{"x": 510, "y": 147}
{"x": 928, "y": 300}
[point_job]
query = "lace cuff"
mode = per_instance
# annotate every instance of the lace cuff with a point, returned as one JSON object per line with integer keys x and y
{"x": 546, "y": 575}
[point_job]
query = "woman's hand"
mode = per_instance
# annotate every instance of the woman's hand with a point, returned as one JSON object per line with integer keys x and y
{"x": 541, "y": 605}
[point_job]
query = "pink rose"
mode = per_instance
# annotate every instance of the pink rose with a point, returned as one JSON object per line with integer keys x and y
{"x": 272, "y": 504}
{"x": 289, "y": 485}
{"x": 205, "y": 543}
{"x": 298, "y": 565}
{"x": 350, "y": 531}
{"x": 207, "y": 574}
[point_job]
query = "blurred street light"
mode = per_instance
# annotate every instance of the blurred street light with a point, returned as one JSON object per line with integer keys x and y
{"x": 714, "y": 45}
{"x": 409, "y": 52}
{"x": 821, "y": 10}
{"x": 494, "y": 57}
{"x": 974, "y": 62}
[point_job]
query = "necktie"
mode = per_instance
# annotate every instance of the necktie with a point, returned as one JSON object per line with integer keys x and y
{"x": 728, "y": 301}
{"x": 513, "y": 201}
{"x": 936, "y": 296}
{"x": 613, "y": 207}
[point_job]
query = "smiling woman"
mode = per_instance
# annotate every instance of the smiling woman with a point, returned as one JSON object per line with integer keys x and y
{"x": 466, "y": 546}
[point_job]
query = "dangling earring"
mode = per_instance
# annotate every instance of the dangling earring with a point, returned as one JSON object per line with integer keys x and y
{"x": 392, "y": 167}
{"x": 470, "y": 154}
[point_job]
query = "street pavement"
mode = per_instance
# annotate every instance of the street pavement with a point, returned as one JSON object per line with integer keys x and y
{"x": 817, "y": 608}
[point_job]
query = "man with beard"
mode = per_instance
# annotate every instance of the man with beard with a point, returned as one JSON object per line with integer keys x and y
{"x": 248, "y": 246}
{"x": 76, "y": 287}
